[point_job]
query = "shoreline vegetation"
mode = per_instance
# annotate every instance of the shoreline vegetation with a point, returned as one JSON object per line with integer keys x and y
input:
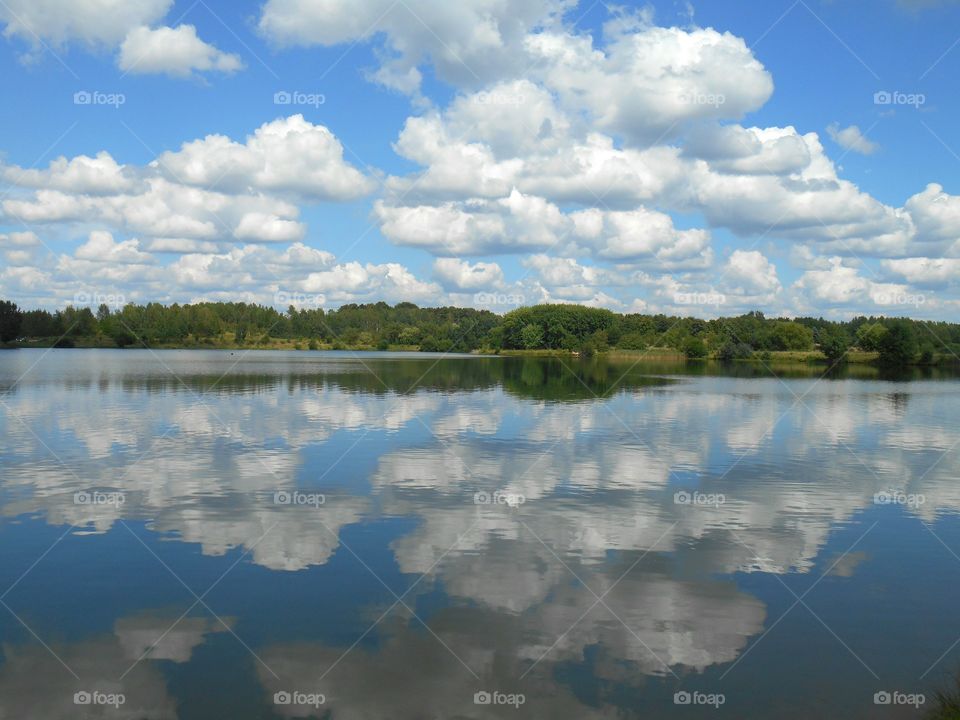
{"x": 541, "y": 330}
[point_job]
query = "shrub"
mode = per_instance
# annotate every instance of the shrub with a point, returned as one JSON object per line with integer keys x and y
{"x": 694, "y": 348}
{"x": 899, "y": 345}
{"x": 834, "y": 344}
{"x": 632, "y": 341}
{"x": 788, "y": 335}
{"x": 732, "y": 350}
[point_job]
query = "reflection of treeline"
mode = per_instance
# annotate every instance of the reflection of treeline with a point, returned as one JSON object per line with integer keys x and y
{"x": 543, "y": 327}
{"x": 540, "y": 378}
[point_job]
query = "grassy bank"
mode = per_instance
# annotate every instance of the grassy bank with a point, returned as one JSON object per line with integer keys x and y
{"x": 227, "y": 341}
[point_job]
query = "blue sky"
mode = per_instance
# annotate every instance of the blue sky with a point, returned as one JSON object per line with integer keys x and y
{"x": 694, "y": 158}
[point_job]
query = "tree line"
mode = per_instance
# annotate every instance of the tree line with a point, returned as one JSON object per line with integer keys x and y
{"x": 449, "y": 329}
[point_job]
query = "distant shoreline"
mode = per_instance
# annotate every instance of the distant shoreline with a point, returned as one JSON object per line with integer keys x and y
{"x": 540, "y": 330}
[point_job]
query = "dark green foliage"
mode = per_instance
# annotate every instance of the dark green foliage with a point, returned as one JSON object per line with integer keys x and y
{"x": 573, "y": 328}
{"x": 11, "y": 320}
{"x": 122, "y": 337}
{"x": 870, "y": 335}
{"x": 787, "y": 335}
{"x": 899, "y": 344}
{"x": 732, "y": 350}
{"x": 833, "y": 343}
{"x": 531, "y": 336}
{"x": 632, "y": 341}
{"x": 694, "y": 348}
{"x": 561, "y": 327}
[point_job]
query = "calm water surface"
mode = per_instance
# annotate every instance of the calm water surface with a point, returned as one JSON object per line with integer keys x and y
{"x": 204, "y": 534}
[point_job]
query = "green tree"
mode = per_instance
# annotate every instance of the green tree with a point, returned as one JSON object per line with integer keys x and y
{"x": 206, "y": 323}
{"x": 121, "y": 336}
{"x": 870, "y": 336}
{"x": 632, "y": 341}
{"x": 409, "y": 335}
{"x": 10, "y": 321}
{"x": 899, "y": 345}
{"x": 732, "y": 350}
{"x": 531, "y": 336}
{"x": 790, "y": 336}
{"x": 694, "y": 348}
{"x": 833, "y": 343}
{"x": 562, "y": 326}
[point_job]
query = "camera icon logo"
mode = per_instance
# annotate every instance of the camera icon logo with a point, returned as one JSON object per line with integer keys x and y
{"x": 82, "y": 97}
{"x": 282, "y": 98}
{"x": 481, "y": 498}
{"x": 81, "y": 498}
{"x": 282, "y": 497}
{"x": 681, "y": 498}
{"x": 82, "y": 698}
{"x": 882, "y": 698}
{"x": 883, "y": 97}
{"x": 482, "y": 698}
{"x": 682, "y": 698}
{"x": 282, "y": 698}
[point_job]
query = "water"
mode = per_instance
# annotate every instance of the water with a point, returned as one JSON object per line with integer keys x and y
{"x": 192, "y": 534}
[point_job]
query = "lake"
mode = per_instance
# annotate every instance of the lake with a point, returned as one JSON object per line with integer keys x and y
{"x": 215, "y": 534}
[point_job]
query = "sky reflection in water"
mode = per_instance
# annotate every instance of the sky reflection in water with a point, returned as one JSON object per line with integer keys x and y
{"x": 200, "y": 531}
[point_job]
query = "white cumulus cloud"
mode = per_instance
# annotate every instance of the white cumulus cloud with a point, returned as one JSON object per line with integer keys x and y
{"x": 852, "y": 138}
{"x": 173, "y": 51}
